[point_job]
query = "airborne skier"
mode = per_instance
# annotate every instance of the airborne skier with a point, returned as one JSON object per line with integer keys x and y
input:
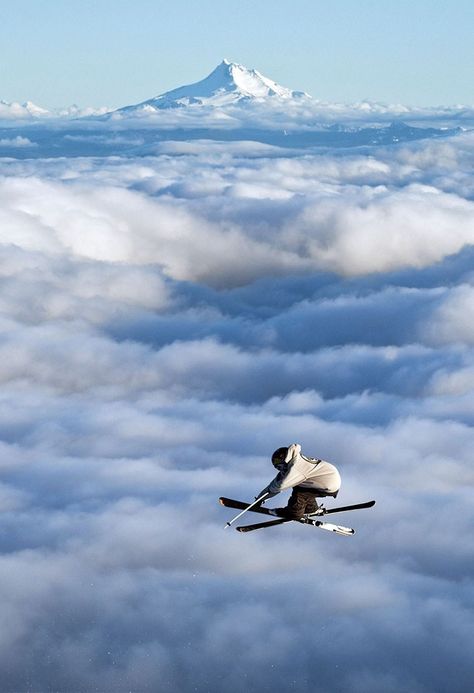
{"x": 309, "y": 477}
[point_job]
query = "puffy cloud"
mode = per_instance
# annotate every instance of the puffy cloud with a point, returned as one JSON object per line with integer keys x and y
{"x": 167, "y": 321}
{"x": 454, "y": 318}
{"x": 266, "y": 227}
{"x": 383, "y": 230}
{"x": 17, "y": 141}
{"x": 288, "y": 115}
{"x": 14, "y": 110}
{"x": 124, "y": 226}
{"x": 37, "y": 288}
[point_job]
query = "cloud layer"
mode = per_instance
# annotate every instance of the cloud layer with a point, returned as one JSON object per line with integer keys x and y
{"x": 167, "y": 321}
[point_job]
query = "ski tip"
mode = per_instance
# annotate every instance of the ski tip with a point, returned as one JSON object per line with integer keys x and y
{"x": 223, "y": 500}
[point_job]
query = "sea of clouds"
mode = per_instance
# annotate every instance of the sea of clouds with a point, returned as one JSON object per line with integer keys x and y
{"x": 167, "y": 321}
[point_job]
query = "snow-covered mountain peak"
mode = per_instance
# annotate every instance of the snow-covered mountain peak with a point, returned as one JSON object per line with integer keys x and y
{"x": 227, "y": 84}
{"x": 233, "y": 77}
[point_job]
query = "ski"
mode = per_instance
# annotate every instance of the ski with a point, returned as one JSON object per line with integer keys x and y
{"x": 337, "y": 529}
{"x": 240, "y": 505}
{"x": 344, "y": 508}
{"x": 261, "y": 525}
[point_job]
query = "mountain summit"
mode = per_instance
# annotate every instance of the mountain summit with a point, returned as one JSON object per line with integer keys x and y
{"x": 229, "y": 83}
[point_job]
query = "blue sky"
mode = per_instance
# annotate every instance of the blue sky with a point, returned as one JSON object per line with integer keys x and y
{"x": 115, "y": 52}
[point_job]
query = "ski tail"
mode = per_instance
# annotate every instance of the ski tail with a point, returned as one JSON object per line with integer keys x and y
{"x": 261, "y": 525}
{"x": 344, "y": 508}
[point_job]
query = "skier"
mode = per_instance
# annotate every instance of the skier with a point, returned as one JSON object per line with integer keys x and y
{"x": 309, "y": 477}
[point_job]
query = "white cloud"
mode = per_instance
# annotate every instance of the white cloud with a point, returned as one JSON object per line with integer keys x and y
{"x": 166, "y": 322}
{"x": 114, "y": 225}
{"x": 17, "y": 141}
{"x": 456, "y": 382}
{"x": 382, "y": 230}
{"x": 14, "y": 110}
{"x": 350, "y": 230}
{"x": 303, "y": 114}
{"x": 453, "y": 320}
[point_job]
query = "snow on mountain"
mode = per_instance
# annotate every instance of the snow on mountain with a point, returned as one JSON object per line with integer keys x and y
{"x": 234, "y": 96}
{"x": 230, "y": 83}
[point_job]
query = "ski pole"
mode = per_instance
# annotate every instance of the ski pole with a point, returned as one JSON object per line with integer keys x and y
{"x": 228, "y": 524}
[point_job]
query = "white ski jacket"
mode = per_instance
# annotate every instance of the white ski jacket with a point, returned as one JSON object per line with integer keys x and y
{"x": 307, "y": 472}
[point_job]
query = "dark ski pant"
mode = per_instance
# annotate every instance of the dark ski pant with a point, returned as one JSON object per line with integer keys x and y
{"x": 302, "y": 501}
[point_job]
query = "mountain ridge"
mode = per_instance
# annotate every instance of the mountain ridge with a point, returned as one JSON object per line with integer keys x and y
{"x": 229, "y": 83}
